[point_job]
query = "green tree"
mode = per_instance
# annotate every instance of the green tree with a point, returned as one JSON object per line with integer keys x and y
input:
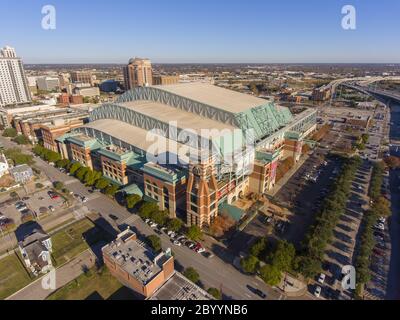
{"x": 192, "y": 275}
{"x": 102, "y": 183}
{"x": 21, "y": 139}
{"x": 194, "y": 233}
{"x": 271, "y": 275}
{"x": 258, "y": 247}
{"x": 215, "y": 293}
{"x": 132, "y": 200}
{"x": 175, "y": 224}
{"x": 10, "y": 132}
{"x": 159, "y": 217}
{"x": 58, "y": 185}
{"x": 249, "y": 264}
{"x": 147, "y": 209}
{"x": 111, "y": 190}
{"x": 91, "y": 177}
{"x": 283, "y": 256}
{"x": 74, "y": 167}
{"x": 81, "y": 172}
{"x": 63, "y": 163}
{"x": 154, "y": 242}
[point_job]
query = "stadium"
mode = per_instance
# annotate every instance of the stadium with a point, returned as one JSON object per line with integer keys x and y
{"x": 190, "y": 147}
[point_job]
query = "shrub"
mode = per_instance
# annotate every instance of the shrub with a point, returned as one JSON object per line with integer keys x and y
{"x": 192, "y": 275}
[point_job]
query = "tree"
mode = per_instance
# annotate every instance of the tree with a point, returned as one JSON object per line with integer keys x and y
{"x": 91, "y": 177}
{"x": 308, "y": 266}
{"x": 21, "y": 139}
{"x": 81, "y": 172}
{"x": 192, "y": 275}
{"x": 175, "y": 224}
{"x": 58, "y": 185}
{"x": 154, "y": 242}
{"x": 74, "y": 167}
{"x": 63, "y": 163}
{"x": 38, "y": 185}
{"x": 147, "y": 209}
{"x": 249, "y": 264}
{"x": 215, "y": 293}
{"x": 258, "y": 247}
{"x": 132, "y": 200}
{"x": 194, "y": 233}
{"x": 10, "y": 132}
{"x": 111, "y": 190}
{"x": 159, "y": 217}
{"x": 283, "y": 256}
{"x": 271, "y": 275}
{"x": 102, "y": 183}
{"x": 392, "y": 162}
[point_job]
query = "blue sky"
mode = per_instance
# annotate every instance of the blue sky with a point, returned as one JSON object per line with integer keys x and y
{"x": 173, "y": 31}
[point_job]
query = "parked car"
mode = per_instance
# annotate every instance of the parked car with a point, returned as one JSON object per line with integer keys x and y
{"x": 52, "y": 209}
{"x": 84, "y": 199}
{"x": 208, "y": 254}
{"x": 177, "y": 243}
{"x": 321, "y": 278}
{"x": 317, "y": 291}
{"x": 147, "y": 220}
{"x": 153, "y": 225}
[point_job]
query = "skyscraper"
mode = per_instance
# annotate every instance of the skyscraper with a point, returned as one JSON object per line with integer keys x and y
{"x": 13, "y": 84}
{"x": 138, "y": 73}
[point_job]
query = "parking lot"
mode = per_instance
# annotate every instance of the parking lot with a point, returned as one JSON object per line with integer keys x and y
{"x": 38, "y": 204}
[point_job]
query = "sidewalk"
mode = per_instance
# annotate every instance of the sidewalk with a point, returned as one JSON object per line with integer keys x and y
{"x": 63, "y": 275}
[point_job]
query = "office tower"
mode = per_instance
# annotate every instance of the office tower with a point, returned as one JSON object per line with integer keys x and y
{"x": 138, "y": 73}
{"x": 13, "y": 84}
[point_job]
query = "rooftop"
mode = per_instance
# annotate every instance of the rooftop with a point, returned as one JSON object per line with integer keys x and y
{"x": 135, "y": 257}
{"x": 214, "y": 96}
{"x": 179, "y": 288}
{"x": 130, "y": 134}
{"x": 184, "y": 119}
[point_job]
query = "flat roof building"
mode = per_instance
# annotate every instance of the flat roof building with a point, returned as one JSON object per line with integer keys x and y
{"x": 149, "y": 274}
{"x": 225, "y": 143}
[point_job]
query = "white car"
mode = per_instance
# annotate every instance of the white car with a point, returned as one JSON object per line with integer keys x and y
{"x": 317, "y": 291}
{"x": 147, "y": 220}
{"x": 200, "y": 250}
{"x": 154, "y": 225}
{"x": 380, "y": 226}
{"x": 382, "y": 220}
{"x": 177, "y": 243}
{"x": 169, "y": 232}
{"x": 172, "y": 235}
{"x": 321, "y": 278}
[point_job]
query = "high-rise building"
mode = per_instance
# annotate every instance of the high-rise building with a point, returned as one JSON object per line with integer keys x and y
{"x": 13, "y": 84}
{"x": 138, "y": 73}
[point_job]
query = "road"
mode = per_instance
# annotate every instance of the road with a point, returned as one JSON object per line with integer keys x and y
{"x": 213, "y": 272}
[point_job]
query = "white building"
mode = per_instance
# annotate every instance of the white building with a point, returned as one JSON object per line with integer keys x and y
{"x": 48, "y": 83}
{"x": 13, "y": 84}
{"x": 3, "y": 165}
{"x": 87, "y": 91}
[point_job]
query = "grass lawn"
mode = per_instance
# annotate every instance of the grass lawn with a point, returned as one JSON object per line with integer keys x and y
{"x": 94, "y": 283}
{"x": 13, "y": 276}
{"x": 68, "y": 242}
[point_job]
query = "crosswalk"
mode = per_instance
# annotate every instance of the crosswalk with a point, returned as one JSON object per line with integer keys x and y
{"x": 130, "y": 220}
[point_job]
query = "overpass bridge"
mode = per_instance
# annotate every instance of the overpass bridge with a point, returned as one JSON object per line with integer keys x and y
{"x": 384, "y": 95}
